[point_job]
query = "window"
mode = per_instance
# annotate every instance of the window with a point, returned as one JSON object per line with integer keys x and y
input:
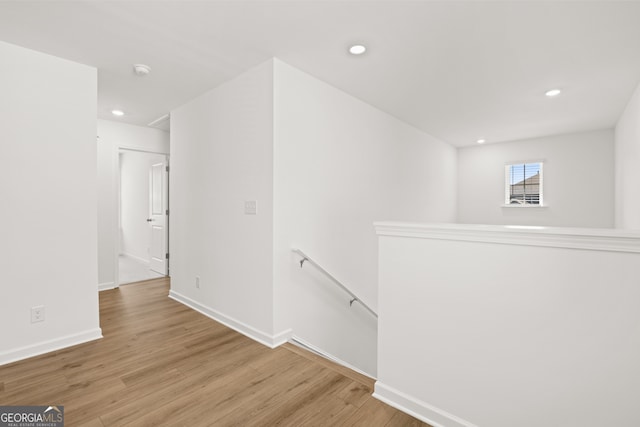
{"x": 523, "y": 184}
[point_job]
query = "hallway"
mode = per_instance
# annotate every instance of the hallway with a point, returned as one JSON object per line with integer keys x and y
{"x": 161, "y": 363}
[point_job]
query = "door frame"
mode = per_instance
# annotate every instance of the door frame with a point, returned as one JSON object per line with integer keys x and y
{"x": 116, "y": 230}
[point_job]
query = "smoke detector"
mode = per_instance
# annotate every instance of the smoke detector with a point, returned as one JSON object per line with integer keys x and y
{"x": 141, "y": 69}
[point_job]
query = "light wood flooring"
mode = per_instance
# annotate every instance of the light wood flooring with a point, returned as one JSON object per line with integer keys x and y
{"x": 161, "y": 363}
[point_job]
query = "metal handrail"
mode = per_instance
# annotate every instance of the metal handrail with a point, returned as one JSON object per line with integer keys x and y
{"x": 354, "y": 298}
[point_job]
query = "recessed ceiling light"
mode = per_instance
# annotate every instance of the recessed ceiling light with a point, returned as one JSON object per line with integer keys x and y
{"x": 357, "y": 49}
{"x": 481, "y": 141}
{"x": 553, "y": 92}
{"x": 117, "y": 112}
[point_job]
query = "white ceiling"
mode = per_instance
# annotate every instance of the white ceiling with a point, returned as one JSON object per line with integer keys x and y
{"x": 457, "y": 70}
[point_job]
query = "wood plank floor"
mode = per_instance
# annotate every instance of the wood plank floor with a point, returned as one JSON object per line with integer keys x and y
{"x": 161, "y": 363}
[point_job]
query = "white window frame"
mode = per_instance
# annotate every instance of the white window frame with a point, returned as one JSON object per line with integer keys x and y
{"x": 507, "y": 185}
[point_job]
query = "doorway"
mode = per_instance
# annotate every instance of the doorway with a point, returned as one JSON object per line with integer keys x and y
{"x": 143, "y": 249}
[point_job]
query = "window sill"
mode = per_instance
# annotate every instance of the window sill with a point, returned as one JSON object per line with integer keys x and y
{"x": 517, "y": 206}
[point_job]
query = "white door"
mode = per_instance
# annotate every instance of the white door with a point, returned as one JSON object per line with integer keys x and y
{"x": 158, "y": 211}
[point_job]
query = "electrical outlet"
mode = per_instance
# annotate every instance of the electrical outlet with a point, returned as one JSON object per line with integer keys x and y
{"x": 197, "y": 282}
{"x": 37, "y": 314}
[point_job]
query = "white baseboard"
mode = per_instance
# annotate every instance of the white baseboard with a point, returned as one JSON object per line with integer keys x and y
{"x": 281, "y": 338}
{"x": 310, "y": 347}
{"x": 418, "y": 409}
{"x": 106, "y": 286}
{"x": 271, "y": 341}
{"x": 21, "y": 353}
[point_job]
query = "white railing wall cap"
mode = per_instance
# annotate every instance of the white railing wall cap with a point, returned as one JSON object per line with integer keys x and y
{"x": 598, "y": 239}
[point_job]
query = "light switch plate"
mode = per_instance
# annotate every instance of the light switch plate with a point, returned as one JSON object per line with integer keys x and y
{"x": 250, "y": 207}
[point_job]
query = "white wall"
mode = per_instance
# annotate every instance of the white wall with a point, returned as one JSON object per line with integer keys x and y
{"x": 221, "y": 156}
{"x": 627, "y": 160}
{"x": 135, "y": 237}
{"x": 578, "y": 181}
{"x": 339, "y": 165}
{"x": 112, "y": 137}
{"x": 48, "y": 215}
{"x": 467, "y": 337}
